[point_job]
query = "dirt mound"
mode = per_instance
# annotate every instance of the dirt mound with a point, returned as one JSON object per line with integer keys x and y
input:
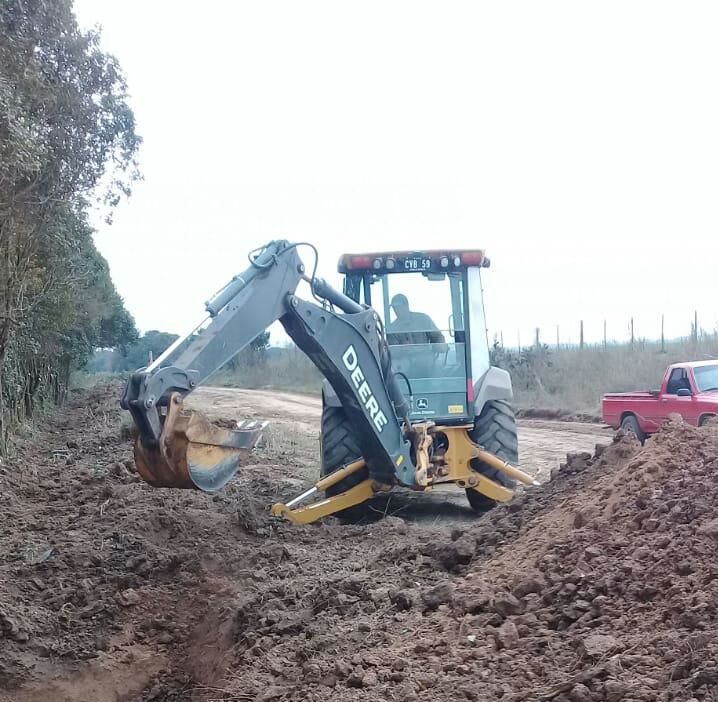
{"x": 600, "y": 585}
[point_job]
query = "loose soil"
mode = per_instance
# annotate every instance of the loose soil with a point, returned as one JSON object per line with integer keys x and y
{"x": 602, "y": 584}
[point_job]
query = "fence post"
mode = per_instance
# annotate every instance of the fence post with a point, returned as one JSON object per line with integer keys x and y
{"x": 695, "y": 328}
{"x": 558, "y": 339}
{"x": 605, "y": 340}
{"x": 538, "y": 339}
{"x": 663, "y": 334}
{"x": 580, "y": 342}
{"x": 519, "y": 335}
{"x": 633, "y": 336}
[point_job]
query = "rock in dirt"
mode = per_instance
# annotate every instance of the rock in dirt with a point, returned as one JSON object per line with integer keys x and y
{"x": 370, "y": 679}
{"x": 12, "y": 628}
{"x": 527, "y": 585}
{"x": 396, "y": 524}
{"x": 458, "y": 552}
{"x": 402, "y": 599}
{"x": 505, "y": 604}
{"x": 599, "y": 645}
{"x": 272, "y": 693}
{"x": 508, "y": 634}
{"x": 443, "y": 593}
{"x": 580, "y": 693}
{"x": 128, "y": 598}
{"x": 615, "y": 690}
{"x": 426, "y": 680}
{"x": 709, "y": 529}
{"x": 356, "y": 679}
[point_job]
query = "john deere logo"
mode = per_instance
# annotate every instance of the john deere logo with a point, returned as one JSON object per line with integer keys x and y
{"x": 422, "y": 403}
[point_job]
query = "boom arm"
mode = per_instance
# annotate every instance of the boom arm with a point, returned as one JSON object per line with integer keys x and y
{"x": 349, "y": 348}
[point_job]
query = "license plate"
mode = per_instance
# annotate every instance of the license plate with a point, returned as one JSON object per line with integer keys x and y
{"x": 417, "y": 263}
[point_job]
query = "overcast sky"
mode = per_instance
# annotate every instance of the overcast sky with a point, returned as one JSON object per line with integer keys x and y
{"x": 576, "y": 142}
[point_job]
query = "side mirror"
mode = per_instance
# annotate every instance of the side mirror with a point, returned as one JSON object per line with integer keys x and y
{"x": 683, "y": 392}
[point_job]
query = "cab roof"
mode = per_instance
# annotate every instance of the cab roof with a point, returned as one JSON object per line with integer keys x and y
{"x": 431, "y": 260}
{"x": 694, "y": 364}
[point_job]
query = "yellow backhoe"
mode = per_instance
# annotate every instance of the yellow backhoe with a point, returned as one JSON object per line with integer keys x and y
{"x": 407, "y": 401}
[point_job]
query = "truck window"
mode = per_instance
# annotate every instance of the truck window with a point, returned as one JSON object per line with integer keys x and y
{"x": 706, "y": 378}
{"x": 677, "y": 380}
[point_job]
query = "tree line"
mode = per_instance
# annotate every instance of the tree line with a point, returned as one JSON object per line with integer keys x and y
{"x": 67, "y": 144}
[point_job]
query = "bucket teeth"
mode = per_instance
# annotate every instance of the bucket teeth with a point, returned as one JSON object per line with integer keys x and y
{"x": 194, "y": 453}
{"x": 251, "y": 425}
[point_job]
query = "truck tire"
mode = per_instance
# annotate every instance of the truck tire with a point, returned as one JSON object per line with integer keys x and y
{"x": 339, "y": 446}
{"x": 705, "y": 419}
{"x": 630, "y": 423}
{"x": 495, "y": 430}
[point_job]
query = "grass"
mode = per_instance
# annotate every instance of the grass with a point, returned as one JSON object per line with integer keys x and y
{"x": 573, "y": 379}
{"x": 569, "y": 379}
{"x": 86, "y": 380}
{"x": 288, "y": 370}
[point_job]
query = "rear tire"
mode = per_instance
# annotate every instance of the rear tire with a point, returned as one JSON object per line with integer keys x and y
{"x": 494, "y": 430}
{"x": 705, "y": 419}
{"x": 630, "y": 423}
{"x": 339, "y": 446}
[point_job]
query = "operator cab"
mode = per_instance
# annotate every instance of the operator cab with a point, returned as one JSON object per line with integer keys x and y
{"x": 431, "y": 306}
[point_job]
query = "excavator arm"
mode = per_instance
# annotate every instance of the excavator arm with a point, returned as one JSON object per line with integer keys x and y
{"x": 345, "y": 340}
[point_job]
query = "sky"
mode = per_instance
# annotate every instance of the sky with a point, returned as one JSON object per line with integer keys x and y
{"x": 576, "y": 142}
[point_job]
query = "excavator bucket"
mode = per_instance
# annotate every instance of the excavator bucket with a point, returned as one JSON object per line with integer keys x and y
{"x": 194, "y": 453}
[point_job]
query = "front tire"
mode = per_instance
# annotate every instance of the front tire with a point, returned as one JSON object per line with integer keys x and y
{"x": 494, "y": 430}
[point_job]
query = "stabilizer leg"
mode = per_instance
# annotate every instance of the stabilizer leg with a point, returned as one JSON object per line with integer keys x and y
{"x": 331, "y": 505}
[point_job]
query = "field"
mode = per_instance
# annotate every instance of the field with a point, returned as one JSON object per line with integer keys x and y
{"x": 565, "y": 380}
{"x": 599, "y": 585}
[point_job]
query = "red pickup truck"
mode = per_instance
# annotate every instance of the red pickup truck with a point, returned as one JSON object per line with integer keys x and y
{"x": 688, "y": 389}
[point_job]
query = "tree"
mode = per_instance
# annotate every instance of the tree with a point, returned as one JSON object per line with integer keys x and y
{"x": 67, "y": 139}
{"x": 252, "y": 355}
{"x": 149, "y": 346}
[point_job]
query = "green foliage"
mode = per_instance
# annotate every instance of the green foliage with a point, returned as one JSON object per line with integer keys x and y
{"x": 572, "y": 380}
{"x": 148, "y": 347}
{"x": 65, "y": 130}
{"x": 253, "y": 356}
{"x": 281, "y": 367}
{"x": 525, "y": 366}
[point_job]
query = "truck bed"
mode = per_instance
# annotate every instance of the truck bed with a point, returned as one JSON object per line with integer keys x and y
{"x": 615, "y": 404}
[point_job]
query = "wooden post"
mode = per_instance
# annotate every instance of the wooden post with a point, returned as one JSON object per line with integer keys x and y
{"x": 538, "y": 339}
{"x": 605, "y": 340}
{"x": 663, "y": 333}
{"x": 580, "y": 343}
{"x": 633, "y": 336}
{"x": 502, "y": 339}
{"x": 558, "y": 339}
{"x": 519, "y": 334}
{"x": 695, "y": 328}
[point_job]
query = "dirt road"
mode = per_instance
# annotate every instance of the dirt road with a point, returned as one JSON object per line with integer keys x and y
{"x": 294, "y": 431}
{"x": 543, "y": 444}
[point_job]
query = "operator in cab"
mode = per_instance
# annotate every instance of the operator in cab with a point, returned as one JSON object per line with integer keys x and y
{"x": 412, "y": 327}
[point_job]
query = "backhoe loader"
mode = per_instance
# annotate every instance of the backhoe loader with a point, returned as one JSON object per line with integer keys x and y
{"x": 406, "y": 401}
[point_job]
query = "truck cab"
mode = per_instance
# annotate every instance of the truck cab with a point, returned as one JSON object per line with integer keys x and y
{"x": 431, "y": 306}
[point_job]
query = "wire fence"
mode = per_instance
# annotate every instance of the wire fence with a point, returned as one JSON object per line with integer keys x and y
{"x": 575, "y": 336}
